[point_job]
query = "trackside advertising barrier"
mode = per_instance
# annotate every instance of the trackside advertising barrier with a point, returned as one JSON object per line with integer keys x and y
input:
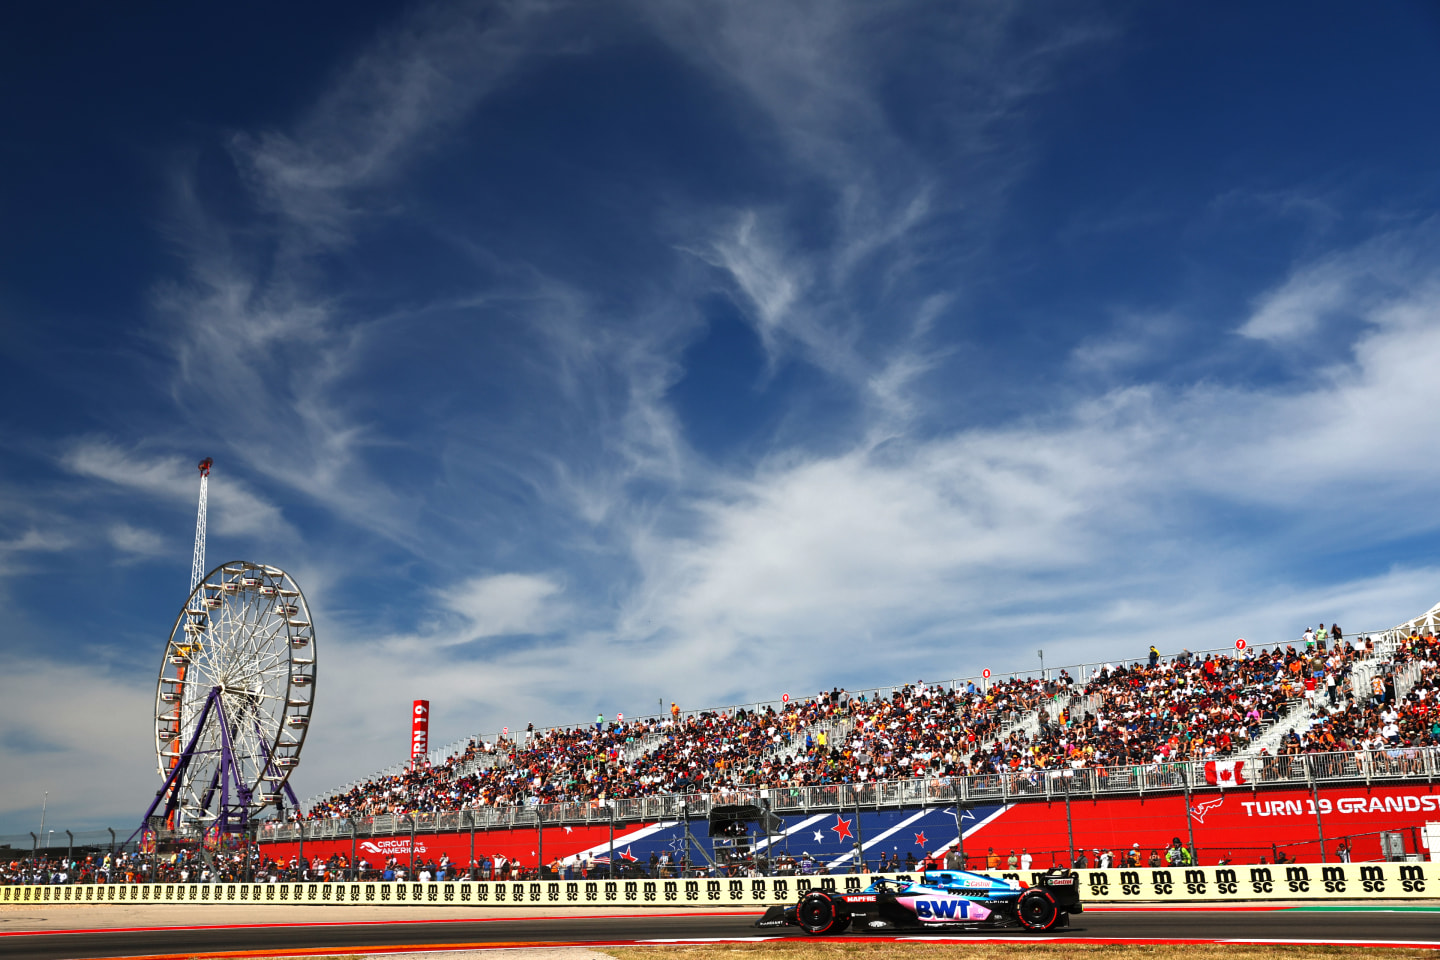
{"x": 1289, "y": 881}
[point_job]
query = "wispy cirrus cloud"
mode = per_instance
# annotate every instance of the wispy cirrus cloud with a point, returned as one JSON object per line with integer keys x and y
{"x": 260, "y": 339}
{"x": 1344, "y": 286}
{"x": 388, "y": 105}
{"x": 827, "y": 81}
{"x": 235, "y": 509}
{"x": 33, "y": 541}
{"x": 1134, "y": 339}
{"x": 1091, "y": 509}
{"x": 137, "y": 541}
{"x": 504, "y": 604}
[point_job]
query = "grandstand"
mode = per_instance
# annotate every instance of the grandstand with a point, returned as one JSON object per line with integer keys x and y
{"x": 1349, "y": 709}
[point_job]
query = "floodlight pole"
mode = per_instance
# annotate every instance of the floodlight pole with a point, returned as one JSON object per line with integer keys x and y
{"x": 1185, "y": 771}
{"x": 1069, "y": 820}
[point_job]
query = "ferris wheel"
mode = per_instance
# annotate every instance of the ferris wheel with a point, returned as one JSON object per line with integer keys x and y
{"x": 233, "y": 700}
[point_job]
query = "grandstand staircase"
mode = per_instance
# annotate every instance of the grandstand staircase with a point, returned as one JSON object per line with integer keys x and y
{"x": 482, "y": 761}
{"x": 649, "y": 743}
{"x": 836, "y": 731}
{"x": 1309, "y": 707}
{"x": 1029, "y": 723}
{"x": 1406, "y": 675}
{"x": 1270, "y": 738}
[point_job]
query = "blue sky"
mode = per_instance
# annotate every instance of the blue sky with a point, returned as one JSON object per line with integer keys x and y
{"x": 579, "y": 356}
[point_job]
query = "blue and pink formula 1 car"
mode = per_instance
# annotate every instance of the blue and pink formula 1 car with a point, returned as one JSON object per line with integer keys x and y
{"x": 942, "y": 900}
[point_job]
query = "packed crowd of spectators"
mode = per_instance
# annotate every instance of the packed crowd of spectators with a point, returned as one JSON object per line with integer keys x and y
{"x": 1155, "y": 710}
{"x": 1186, "y": 708}
{"x": 1380, "y": 717}
{"x": 919, "y": 730}
{"x": 125, "y": 867}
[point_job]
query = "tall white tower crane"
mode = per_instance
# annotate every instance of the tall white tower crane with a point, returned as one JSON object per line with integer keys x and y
{"x": 197, "y": 563}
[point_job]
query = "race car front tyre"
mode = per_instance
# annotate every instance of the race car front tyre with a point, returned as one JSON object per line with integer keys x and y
{"x": 1038, "y": 910}
{"x": 818, "y": 914}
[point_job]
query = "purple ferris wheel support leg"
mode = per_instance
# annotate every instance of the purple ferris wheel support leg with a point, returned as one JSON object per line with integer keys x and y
{"x": 169, "y": 792}
{"x": 230, "y": 769}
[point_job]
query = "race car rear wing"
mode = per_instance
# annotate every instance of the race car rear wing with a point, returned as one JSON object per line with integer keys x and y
{"x": 1064, "y": 886}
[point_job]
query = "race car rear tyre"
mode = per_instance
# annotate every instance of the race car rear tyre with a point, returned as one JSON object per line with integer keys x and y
{"x": 1038, "y": 910}
{"x": 818, "y": 914}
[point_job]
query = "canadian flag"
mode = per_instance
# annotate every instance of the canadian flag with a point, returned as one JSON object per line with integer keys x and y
{"x": 1225, "y": 773}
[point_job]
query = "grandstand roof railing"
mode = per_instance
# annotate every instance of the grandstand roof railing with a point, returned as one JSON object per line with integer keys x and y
{"x": 1414, "y": 764}
{"x": 1080, "y": 673}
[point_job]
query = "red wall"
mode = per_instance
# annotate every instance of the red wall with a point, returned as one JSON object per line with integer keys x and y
{"x": 1234, "y": 821}
{"x": 521, "y": 845}
{"x": 1235, "y": 824}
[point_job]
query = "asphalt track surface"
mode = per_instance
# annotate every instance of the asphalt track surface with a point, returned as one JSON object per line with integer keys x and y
{"x": 1401, "y": 926}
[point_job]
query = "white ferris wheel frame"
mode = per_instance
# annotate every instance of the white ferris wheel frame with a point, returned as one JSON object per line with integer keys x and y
{"x": 245, "y": 630}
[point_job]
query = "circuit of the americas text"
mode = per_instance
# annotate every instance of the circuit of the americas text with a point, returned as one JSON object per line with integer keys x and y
{"x": 941, "y": 900}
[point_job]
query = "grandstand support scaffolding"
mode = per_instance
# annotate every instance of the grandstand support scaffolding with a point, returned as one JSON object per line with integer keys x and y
{"x": 859, "y": 827}
{"x": 689, "y": 838}
{"x": 1064, "y": 776}
{"x": 1315, "y": 802}
{"x": 1189, "y": 816}
{"x": 1427, "y": 622}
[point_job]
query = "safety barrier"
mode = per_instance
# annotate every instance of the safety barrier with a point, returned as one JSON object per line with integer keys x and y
{"x": 1280, "y": 881}
{"x": 702, "y": 891}
{"x": 1345, "y": 881}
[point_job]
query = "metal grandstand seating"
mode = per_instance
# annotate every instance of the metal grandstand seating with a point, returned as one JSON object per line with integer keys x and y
{"x": 839, "y": 728}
